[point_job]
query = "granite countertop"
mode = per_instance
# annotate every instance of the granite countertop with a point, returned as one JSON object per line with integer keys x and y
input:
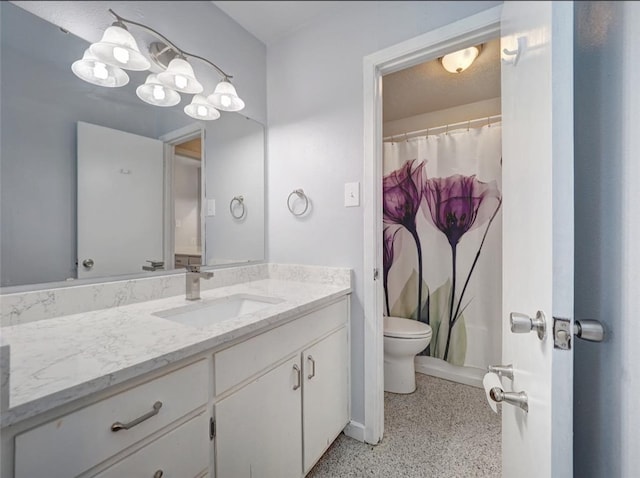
{"x": 58, "y": 360}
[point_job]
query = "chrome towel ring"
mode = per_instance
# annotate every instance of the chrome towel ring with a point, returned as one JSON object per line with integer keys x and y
{"x": 240, "y": 205}
{"x": 301, "y": 195}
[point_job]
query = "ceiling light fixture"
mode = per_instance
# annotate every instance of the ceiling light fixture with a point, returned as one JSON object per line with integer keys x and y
{"x": 460, "y": 60}
{"x": 104, "y": 63}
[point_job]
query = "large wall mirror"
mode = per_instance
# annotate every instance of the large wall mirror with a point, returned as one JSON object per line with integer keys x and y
{"x": 96, "y": 184}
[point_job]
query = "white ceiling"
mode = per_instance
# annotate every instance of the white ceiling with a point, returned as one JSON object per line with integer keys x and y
{"x": 269, "y": 21}
{"x": 424, "y": 88}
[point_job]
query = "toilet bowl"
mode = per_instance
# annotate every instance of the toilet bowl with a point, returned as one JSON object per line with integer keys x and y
{"x": 403, "y": 340}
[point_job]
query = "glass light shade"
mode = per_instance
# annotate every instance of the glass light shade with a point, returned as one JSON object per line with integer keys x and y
{"x": 157, "y": 94}
{"x": 94, "y": 71}
{"x": 459, "y": 61}
{"x": 201, "y": 109}
{"x": 180, "y": 76}
{"x": 119, "y": 48}
{"x": 225, "y": 97}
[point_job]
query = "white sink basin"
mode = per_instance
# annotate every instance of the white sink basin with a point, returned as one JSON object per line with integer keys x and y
{"x": 208, "y": 312}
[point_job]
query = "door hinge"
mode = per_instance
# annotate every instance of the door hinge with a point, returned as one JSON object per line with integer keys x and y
{"x": 212, "y": 428}
{"x": 376, "y": 273}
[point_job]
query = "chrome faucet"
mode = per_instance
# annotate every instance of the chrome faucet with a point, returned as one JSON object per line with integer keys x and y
{"x": 193, "y": 277}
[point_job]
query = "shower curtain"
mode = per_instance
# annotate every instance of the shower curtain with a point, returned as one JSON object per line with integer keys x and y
{"x": 442, "y": 230}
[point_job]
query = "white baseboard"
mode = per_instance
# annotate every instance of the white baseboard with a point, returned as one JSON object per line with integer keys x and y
{"x": 441, "y": 369}
{"x": 355, "y": 430}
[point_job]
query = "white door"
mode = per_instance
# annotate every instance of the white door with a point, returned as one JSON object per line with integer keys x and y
{"x": 120, "y": 201}
{"x": 537, "y": 109}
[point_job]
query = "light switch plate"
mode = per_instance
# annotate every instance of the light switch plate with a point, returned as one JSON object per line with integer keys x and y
{"x": 211, "y": 207}
{"x": 352, "y": 194}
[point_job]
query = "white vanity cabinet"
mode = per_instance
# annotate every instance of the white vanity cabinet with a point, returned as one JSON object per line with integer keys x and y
{"x": 266, "y": 406}
{"x": 74, "y": 443}
{"x": 280, "y": 390}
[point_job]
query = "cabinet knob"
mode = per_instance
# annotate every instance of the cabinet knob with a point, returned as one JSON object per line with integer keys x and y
{"x": 158, "y": 474}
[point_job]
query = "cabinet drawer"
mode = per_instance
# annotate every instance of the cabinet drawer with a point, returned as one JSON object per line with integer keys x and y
{"x": 183, "y": 452}
{"x": 236, "y": 364}
{"x": 82, "y": 439}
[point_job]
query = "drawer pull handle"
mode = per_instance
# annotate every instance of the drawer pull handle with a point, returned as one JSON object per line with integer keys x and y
{"x": 158, "y": 474}
{"x": 298, "y": 378}
{"x": 313, "y": 367}
{"x": 125, "y": 426}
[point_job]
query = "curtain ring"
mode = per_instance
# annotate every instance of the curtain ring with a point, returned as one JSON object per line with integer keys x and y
{"x": 240, "y": 201}
{"x": 301, "y": 195}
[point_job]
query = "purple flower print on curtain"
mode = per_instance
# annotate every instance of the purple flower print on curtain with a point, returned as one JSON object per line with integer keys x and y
{"x": 457, "y": 204}
{"x": 402, "y": 196}
{"x": 389, "y": 236}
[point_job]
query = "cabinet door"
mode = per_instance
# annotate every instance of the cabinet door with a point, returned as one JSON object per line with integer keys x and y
{"x": 326, "y": 394}
{"x": 259, "y": 427}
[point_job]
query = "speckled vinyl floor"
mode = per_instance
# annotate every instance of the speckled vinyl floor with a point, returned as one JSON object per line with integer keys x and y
{"x": 443, "y": 430}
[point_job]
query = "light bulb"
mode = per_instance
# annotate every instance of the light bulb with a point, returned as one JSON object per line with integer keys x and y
{"x": 180, "y": 81}
{"x": 100, "y": 71}
{"x": 202, "y": 111}
{"x": 121, "y": 55}
{"x": 225, "y": 100}
{"x": 158, "y": 92}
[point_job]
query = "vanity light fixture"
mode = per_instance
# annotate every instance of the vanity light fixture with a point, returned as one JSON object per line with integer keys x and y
{"x": 103, "y": 64}
{"x": 157, "y": 94}
{"x": 201, "y": 109}
{"x": 94, "y": 71}
{"x": 460, "y": 60}
{"x": 118, "y": 48}
{"x": 225, "y": 97}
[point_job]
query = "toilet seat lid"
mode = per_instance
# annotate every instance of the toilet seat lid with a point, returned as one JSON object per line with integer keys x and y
{"x": 405, "y": 328}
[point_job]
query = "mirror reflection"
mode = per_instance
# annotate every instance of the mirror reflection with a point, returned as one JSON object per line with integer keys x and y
{"x": 97, "y": 184}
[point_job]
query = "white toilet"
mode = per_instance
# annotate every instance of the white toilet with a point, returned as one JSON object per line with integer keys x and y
{"x": 403, "y": 340}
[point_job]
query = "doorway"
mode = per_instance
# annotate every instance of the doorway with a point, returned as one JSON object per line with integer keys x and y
{"x": 187, "y": 202}
{"x": 537, "y": 251}
{"x": 184, "y": 193}
{"x": 442, "y": 262}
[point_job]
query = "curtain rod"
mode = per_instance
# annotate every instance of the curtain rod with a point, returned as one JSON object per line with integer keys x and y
{"x": 427, "y": 131}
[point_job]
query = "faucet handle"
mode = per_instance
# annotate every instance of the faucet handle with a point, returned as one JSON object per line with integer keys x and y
{"x": 193, "y": 268}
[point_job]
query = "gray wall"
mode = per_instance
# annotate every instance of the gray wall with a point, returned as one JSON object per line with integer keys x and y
{"x": 235, "y": 167}
{"x": 315, "y": 105}
{"x": 607, "y": 207}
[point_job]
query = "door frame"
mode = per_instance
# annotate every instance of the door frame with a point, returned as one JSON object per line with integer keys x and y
{"x": 428, "y": 46}
{"x": 170, "y": 139}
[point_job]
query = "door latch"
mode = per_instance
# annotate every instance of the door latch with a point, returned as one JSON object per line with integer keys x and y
{"x": 589, "y": 330}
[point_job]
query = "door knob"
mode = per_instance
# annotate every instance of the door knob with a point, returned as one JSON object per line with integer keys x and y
{"x": 522, "y": 323}
{"x": 518, "y": 399}
{"x": 87, "y": 263}
{"x": 590, "y": 330}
